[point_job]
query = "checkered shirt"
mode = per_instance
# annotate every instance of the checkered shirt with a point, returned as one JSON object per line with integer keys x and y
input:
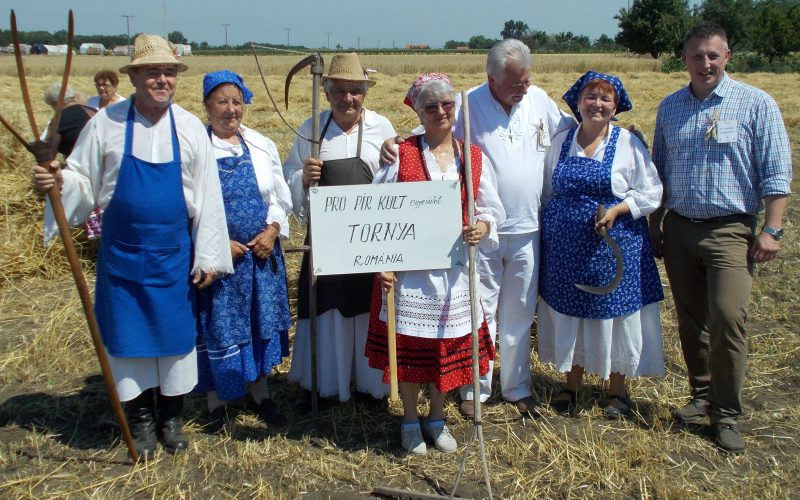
{"x": 704, "y": 178}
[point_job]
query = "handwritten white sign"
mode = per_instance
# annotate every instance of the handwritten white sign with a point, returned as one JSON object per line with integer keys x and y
{"x": 368, "y": 228}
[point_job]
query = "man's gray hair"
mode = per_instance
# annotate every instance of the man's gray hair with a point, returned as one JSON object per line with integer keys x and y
{"x": 51, "y": 94}
{"x": 436, "y": 89}
{"x": 328, "y": 86}
{"x": 504, "y": 53}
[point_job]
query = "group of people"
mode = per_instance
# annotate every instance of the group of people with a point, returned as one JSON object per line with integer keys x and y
{"x": 191, "y": 282}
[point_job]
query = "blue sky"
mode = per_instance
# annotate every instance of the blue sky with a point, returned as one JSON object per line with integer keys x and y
{"x": 351, "y": 23}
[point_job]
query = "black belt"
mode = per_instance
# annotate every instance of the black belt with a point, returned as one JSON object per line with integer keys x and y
{"x": 717, "y": 220}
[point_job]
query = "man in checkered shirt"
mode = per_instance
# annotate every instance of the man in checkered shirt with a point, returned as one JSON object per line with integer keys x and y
{"x": 722, "y": 152}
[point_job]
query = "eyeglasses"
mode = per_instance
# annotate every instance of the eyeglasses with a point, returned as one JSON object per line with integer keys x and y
{"x": 103, "y": 84}
{"x": 446, "y": 106}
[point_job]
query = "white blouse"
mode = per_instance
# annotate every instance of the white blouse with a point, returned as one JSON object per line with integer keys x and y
{"x": 634, "y": 178}
{"x": 268, "y": 170}
{"x": 443, "y": 293}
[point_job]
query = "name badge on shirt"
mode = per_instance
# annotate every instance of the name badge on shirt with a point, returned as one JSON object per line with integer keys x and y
{"x": 726, "y": 131}
{"x": 542, "y": 138}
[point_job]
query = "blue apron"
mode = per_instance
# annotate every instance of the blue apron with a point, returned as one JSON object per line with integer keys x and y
{"x": 252, "y": 302}
{"x": 144, "y": 299}
{"x": 572, "y": 252}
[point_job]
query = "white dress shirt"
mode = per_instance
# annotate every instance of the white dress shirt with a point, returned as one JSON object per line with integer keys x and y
{"x": 93, "y": 167}
{"x": 336, "y": 145}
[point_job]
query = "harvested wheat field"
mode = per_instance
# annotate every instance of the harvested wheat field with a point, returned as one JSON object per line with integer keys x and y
{"x": 58, "y": 436}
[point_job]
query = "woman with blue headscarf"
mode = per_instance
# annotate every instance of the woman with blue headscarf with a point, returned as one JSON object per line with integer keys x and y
{"x": 244, "y": 318}
{"x": 616, "y": 334}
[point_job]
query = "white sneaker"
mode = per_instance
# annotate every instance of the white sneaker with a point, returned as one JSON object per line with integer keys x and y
{"x": 412, "y": 440}
{"x": 444, "y": 441}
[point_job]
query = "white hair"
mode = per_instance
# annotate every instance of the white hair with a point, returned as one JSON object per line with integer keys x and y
{"x": 52, "y": 91}
{"x": 506, "y": 52}
{"x": 432, "y": 88}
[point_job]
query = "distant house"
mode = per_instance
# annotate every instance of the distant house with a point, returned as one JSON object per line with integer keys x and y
{"x": 120, "y": 50}
{"x": 92, "y": 49}
{"x": 417, "y": 46}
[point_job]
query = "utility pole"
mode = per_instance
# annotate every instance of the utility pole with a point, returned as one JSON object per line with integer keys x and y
{"x": 166, "y": 34}
{"x": 394, "y": 44}
{"x": 329, "y": 39}
{"x": 379, "y": 45}
{"x": 288, "y": 30}
{"x": 128, "y": 23}
{"x": 358, "y": 39}
{"x": 225, "y": 25}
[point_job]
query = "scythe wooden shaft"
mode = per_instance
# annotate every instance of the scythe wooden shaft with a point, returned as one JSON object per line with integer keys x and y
{"x": 316, "y": 79}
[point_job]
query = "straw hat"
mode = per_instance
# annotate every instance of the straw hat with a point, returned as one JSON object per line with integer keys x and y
{"x": 151, "y": 49}
{"x": 347, "y": 67}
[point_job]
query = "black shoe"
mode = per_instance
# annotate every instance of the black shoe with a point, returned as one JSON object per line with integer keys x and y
{"x": 695, "y": 412}
{"x": 612, "y": 412}
{"x": 727, "y": 437}
{"x": 564, "y": 406}
{"x": 141, "y": 421}
{"x": 270, "y": 413}
{"x": 216, "y": 421}
{"x": 170, "y": 423}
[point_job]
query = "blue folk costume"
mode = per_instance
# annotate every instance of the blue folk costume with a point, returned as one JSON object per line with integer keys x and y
{"x": 244, "y": 318}
{"x": 571, "y": 320}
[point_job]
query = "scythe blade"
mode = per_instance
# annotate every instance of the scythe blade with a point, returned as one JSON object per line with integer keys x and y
{"x": 308, "y": 61}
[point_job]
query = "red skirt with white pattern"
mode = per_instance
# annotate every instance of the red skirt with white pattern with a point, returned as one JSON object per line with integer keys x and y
{"x": 444, "y": 362}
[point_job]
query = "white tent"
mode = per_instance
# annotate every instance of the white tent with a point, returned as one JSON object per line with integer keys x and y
{"x": 52, "y": 50}
{"x": 183, "y": 49}
{"x": 92, "y": 48}
{"x": 120, "y": 50}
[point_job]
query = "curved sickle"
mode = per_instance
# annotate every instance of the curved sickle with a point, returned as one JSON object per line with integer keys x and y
{"x": 311, "y": 60}
{"x": 610, "y": 287}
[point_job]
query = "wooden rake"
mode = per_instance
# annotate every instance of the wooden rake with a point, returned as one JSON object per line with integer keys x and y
{"x": 45, "y": 152}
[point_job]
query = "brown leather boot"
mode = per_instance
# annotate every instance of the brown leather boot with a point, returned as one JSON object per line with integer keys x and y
{"x": 142, "y": 424}
{"x": 170, "y": 423}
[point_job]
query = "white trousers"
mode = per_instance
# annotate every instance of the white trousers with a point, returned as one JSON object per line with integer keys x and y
{"x": 340, "y": 357}
{"x": 173, "y": 375}
{"x": 509, "y": 283}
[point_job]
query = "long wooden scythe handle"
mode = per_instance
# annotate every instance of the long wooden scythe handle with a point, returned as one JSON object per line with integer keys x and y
{"x": 44, "y": 153}
{"x": 317, "y": 68}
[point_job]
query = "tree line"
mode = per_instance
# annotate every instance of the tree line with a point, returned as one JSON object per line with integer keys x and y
{"x": 770, "y": 28}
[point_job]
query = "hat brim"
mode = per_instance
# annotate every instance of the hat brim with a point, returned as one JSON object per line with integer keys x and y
{"x": 369, "y": 83}
{"x": 150, "y": 61}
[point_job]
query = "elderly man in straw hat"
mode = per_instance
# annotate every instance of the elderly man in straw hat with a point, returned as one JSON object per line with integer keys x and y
{"x": 350, "y": 142}
{"x": 148, "y": 163}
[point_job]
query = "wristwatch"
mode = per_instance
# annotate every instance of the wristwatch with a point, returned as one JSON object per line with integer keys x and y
{"x": 776, "y": 233}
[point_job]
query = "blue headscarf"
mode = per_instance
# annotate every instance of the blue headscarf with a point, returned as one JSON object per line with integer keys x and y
{"x": 573, "y": 94}
{"x": 217, "y": 78}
